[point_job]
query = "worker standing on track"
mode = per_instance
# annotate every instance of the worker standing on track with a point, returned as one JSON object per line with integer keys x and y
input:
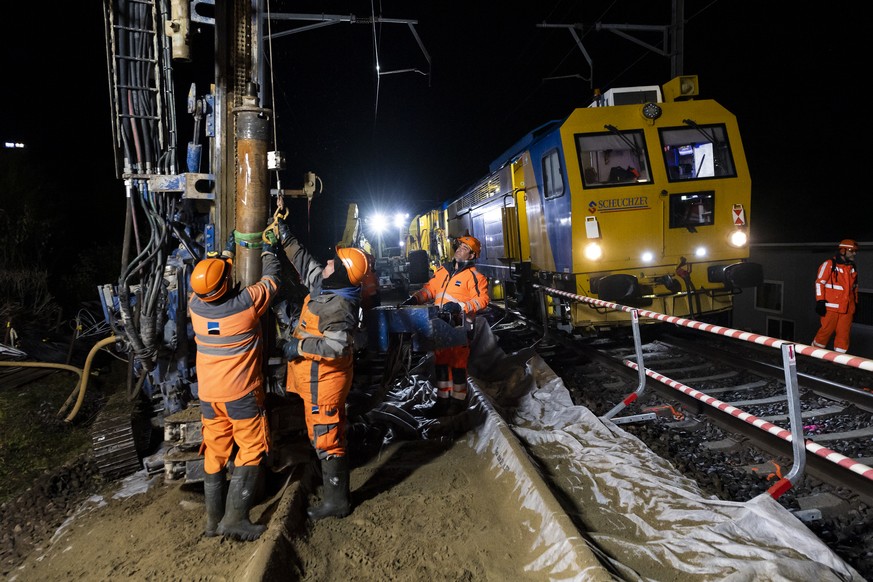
{"x": 320, "y": 360}
{"x": 836, "y": 295}
{"x": 227, "y": 331}
{"x": 460, "y": 290}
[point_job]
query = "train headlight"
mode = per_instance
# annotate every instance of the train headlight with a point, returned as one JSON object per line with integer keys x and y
{"x": 738, "y": 238}
{"x": 700, "y": 252}
{"x": 593, "y": 251}
{"x": 647, "y": 256}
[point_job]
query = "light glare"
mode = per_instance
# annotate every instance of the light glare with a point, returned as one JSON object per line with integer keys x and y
{"x": 378, "y": 223}
{"x": 593, "y": 251}
{"x": 738, "y": 238}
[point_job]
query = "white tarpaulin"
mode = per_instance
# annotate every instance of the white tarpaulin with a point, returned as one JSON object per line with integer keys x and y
{"x": 637, "y": 513}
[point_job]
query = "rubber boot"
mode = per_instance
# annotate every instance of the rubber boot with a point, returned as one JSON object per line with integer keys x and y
{"x": 456, "y": 406}
{"x": 335, "y": 475}
{"x": 458, "y": 400}
{"x": 438, "y": 409}
{"x": 215, "y": 493}
{"x": 240, "y": 498}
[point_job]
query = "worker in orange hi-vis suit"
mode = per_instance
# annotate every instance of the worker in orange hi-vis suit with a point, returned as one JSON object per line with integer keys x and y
{"x": 227, "y": 331}
{"x": 320, "y": 360}
{"x": 836, "y": 295}
{"x": 462, "y": 291}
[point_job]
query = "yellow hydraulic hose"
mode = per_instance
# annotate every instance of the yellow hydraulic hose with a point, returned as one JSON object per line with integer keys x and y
{"x": 86, "y": 371}
{"x": 82, "y": 373}
{"x": 42, "y": 365}
{"x": 50, "y": 365}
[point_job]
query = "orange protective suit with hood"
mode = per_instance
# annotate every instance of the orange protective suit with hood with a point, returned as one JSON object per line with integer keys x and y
{"x": 837, "y": 284}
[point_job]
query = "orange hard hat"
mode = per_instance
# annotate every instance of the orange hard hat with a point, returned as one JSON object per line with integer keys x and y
{"x": 355, "y": 262}
{"x": 471, "y": 242}
{"x": 209, "y": 280}
{"x": 849, "y": 245}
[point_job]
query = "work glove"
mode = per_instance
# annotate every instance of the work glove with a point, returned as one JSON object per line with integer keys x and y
{"x": 285, "y": 235}
{"x": 453, "y": 308}
{"x": 454, "y": 312}
{"x": 411, "y": 300}
{"x": 821, "y": 307}
{"x": 229, "y": 247}
{"x": 272, "y": 247}
{"x": 290, "y": 349}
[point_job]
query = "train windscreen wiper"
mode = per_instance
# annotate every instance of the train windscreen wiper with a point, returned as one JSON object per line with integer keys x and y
{"x": 710, "y": 138}
{"x": 623, "y": 137}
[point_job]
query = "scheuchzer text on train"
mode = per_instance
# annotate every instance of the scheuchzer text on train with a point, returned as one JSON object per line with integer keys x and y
{"x": 619, "y": 204}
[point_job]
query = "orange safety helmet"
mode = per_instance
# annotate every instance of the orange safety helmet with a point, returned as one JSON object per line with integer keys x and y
{"x": 848, "y": 245}
{"x": 355, "y": 262}
{"x": 471, "y": 242}
{"x": 210, "y": 278}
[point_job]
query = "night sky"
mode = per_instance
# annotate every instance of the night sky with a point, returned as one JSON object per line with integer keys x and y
{"x": 793, "y": 80}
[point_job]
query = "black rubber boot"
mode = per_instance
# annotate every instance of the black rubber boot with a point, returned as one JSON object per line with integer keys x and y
{"x": 438, "y": 409}
{"x": 335, "y": 475}
{"x": 215, "y": 492}
{"x": 456, "y": 406}
{"x": 240, "y": 498}
{"x": 459, "y": 388}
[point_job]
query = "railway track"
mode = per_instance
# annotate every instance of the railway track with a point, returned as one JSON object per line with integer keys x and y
{"x": 835, "y": 417}
{"x": 719, "y": 412}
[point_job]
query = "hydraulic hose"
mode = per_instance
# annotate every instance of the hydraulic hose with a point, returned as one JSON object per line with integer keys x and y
{"x": 86, "y": 371}
{"x": 66, "y": 367}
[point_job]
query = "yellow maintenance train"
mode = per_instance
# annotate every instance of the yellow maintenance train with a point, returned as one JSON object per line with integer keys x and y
{"x": 643, "y": 198}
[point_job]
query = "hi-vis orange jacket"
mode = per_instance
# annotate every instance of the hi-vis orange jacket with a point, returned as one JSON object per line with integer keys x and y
{"x": 458, "y": 283}
{"x": 837, "y": 284}
{"x": 328, "y": 320}
{"x": 322, "y": 374}
{"x": 228, "y": 337}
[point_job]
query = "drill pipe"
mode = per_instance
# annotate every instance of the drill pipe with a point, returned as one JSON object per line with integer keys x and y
{"x": 252, "y": 184}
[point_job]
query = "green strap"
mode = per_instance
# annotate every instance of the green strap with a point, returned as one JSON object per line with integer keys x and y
{"x": 248, "y": 240}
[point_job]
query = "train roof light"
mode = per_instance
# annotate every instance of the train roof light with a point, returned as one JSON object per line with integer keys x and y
{"x": 681, "y": 88}
{"x": 651, "y": 111}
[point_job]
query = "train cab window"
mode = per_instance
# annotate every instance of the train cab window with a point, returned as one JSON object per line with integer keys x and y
{"x": 553, "y": 175}
{"x": 697, "y": 152}
{"x": 692, "y": 209}
{"x": 613, "y": 158}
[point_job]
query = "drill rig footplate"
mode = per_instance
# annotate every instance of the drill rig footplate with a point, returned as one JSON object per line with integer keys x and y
{"x": 183, "y": 434}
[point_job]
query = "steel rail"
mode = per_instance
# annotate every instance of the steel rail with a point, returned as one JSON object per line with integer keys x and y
{"x": 824, "y": 464}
